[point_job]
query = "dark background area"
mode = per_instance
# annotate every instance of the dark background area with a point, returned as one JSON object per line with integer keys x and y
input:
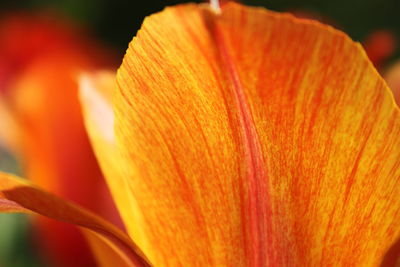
{"x": 116, "y": 21}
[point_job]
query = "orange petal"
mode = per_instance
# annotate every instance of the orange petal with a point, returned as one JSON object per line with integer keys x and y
{"x": 96, "y": 90}
{"x": 41, "y": 57}
{"x": 252, "y": 138}
{"x": 9, "y": 128}
{"x": 55, "y": 151}
{"x": 17, "y": 195}
{"x": 44, "y": 56}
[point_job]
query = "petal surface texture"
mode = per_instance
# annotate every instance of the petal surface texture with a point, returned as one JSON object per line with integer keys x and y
{"x": 17, "y": 195}
{"x": 251, "y": 138}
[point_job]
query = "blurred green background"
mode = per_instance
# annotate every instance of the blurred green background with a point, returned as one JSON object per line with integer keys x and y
{"x": 115, "y": 22}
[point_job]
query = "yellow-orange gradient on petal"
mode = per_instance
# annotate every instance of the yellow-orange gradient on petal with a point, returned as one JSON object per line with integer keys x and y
{"x": 41, "y": 61}
{"x": 96, "y": 91}
{"x": 252, "y": 138}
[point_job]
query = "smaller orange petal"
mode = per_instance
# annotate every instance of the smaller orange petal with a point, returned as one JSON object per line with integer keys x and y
{"x": 105, "y": 256}
{"x": 17, "y": 195}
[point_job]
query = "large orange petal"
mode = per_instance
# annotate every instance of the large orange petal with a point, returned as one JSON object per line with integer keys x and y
{"x": 252, "y": 138}
{"x": 17, "y": 195}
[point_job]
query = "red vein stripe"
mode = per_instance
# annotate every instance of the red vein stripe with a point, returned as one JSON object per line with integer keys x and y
{"x": 258, "y": 202}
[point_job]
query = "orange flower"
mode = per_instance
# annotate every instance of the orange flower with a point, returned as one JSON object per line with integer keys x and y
{"x": 40, "y": 58}
{"x": 241, "y": 138}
